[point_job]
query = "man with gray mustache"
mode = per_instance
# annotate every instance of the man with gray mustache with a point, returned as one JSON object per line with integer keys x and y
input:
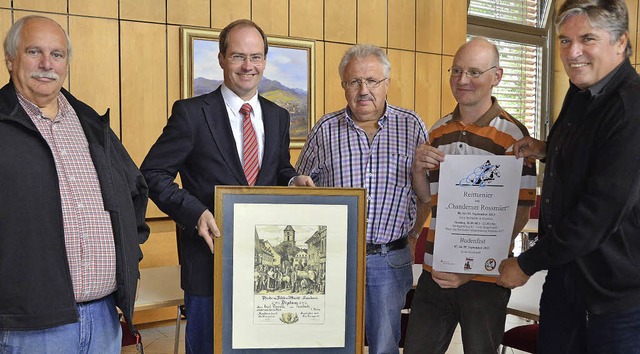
{"x": 371, "y": 144}
{"x": 72, "y": 210}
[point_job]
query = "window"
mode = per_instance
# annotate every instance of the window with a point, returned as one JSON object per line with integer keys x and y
{"x": 523, "y": 12}
{"x": 519, "y": 28}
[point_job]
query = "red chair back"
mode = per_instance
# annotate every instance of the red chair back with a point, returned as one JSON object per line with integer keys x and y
{"x": 421, "y": 245}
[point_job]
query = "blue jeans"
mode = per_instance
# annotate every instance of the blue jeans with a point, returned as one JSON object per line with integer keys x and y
{"x": 96, "y": 332}
{"x": 199, "y": 332}
{"x": 389, "y": 278}
{"x": 567, "y": 327}
{"x": 479, "y": 307}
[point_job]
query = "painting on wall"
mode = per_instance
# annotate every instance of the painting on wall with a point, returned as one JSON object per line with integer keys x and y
{"x": 288, "y": 79}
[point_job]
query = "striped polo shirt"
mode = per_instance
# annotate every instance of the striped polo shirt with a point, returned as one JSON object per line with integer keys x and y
{"x": 494, "y": 133}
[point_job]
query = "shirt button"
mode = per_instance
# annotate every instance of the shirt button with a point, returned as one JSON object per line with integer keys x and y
{"x": 464, "y": 133}
{"x": 369, "y": 198}
{"x": 80, "y": 205}
{"x": 546, "y": 200}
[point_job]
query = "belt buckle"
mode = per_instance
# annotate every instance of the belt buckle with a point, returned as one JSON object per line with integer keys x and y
{"x": 373, "y": 248}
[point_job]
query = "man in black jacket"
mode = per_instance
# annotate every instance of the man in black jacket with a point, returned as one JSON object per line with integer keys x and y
{"x": 204, "y": 141}
{"x": 589, "y": 220}
{"x": 72, "y": 207}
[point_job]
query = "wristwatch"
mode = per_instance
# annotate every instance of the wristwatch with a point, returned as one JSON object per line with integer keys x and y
{"x": 414, "y": 234}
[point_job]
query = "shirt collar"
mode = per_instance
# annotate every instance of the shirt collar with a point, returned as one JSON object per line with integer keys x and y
{"x": 599, "y": 87}
{"x": 484, "y": 119}
{"x": 234, "y": 101}
{"x": 381, "y": 122}
{"x": 34, "y": 110}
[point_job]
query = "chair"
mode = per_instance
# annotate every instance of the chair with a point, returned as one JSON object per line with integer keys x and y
{"x": 528, "y": 238}
{"x": 160, "y": 287}
{"x": 406, "y": 310}
{"x": 418, "y": 255}
{"x": 523, "y": 338}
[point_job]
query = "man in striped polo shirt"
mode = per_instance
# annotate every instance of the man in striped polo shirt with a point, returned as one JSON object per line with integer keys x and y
{"x": 370, "y": 144}
{"x": 477, "y": 126}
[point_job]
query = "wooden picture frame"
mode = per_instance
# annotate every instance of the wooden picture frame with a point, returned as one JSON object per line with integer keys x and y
{"x": 288, "y": 79}
{"x": 289, "y": 270}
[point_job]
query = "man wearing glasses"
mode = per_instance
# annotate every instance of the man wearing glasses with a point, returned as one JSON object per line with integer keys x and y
{"x": 477, "y": 126}
{"x": 589, "y": 217}
{"x": 231, "y": 136}
{"x": 370, "y": 144}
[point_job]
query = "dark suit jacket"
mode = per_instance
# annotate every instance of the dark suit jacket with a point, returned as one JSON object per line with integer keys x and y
{"x": 198, "y": 143}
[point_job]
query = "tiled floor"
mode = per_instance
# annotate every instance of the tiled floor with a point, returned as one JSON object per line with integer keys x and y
{"x": 160, "y": 340}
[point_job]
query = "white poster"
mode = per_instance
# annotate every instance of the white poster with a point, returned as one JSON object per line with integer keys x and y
{"x": 477, "y": 202}
{"x": 289, "y": 278}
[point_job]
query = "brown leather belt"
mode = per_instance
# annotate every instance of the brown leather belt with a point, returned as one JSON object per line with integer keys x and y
{"x": 374, "y": 248}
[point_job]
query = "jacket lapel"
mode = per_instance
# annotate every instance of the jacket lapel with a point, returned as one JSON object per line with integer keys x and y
{"x": 271, "y": 138}
{"x": 217, "y": 119}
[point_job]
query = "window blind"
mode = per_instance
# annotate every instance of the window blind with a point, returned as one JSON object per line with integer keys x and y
{"x": 518, "y": 92}
{"x": 523, "y": 12}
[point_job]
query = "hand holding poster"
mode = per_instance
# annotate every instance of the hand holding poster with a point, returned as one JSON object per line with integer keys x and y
{"x": 477, "y": 202}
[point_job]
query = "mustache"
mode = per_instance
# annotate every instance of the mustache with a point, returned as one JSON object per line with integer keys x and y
{"x": 364, "y": 98}
{"x": 44, "y": 75}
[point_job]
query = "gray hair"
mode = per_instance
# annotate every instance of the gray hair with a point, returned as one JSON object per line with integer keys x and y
{"x": 12, "y": 40}
{"x": 361, "y": 51}
{"x": 609, "y": 15}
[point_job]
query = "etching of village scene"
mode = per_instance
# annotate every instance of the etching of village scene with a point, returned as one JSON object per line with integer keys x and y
{"x": 289, "y": 273}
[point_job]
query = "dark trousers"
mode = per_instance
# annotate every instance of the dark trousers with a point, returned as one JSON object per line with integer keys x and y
{"x": 199, "y": 332}
{"x": 479, "y": 307}
{"x": 567, "y": 327}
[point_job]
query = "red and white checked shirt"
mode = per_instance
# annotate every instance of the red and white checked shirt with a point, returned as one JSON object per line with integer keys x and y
{"x": 87, "y": 226}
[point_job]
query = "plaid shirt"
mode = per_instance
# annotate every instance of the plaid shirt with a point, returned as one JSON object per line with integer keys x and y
{"x": 338, "y": 154}
{"x": 87, "y": 226}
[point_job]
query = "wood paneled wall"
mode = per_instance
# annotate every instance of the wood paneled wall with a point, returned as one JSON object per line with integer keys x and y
{"x": 126, "y": 58}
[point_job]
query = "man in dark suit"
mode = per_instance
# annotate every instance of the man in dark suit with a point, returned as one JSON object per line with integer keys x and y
{"x": 230, "y": 136}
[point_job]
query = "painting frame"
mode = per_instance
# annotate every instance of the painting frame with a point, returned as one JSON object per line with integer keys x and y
{"x": 235, "y": 245}
{"x": 299, "y": 100}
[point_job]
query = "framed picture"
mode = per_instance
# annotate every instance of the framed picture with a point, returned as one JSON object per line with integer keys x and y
{"x": 289, "y": 270}
{"x": 288, "y": 79}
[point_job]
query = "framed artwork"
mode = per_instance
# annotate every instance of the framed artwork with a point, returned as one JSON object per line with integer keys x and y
{"x": 289, "y": 270}
{"x": 288, "y": 79}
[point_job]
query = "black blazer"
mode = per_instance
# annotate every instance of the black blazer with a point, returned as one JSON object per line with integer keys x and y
{"x": 198, "y": 143}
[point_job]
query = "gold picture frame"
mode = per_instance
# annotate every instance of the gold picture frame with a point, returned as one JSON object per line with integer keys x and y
{"x": 289, "y": 77}
{"x": 314, "y": 238}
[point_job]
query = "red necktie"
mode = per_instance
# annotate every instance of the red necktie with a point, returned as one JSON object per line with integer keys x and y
{"x": 249, "y": 146}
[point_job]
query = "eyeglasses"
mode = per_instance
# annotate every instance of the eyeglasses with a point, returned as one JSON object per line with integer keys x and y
{"x": 240, "y": 58}
{"x": 355, "y": 84}
{"x": 473, "y": 73}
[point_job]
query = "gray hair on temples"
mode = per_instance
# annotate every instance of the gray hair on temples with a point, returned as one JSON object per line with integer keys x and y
{"x": 12, "y": 40}
{"x": 609, "y": 15}
{"x": 361, "y": 51}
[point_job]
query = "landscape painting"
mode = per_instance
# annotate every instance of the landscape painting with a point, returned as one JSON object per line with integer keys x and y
{"x": 288, "y": 78}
